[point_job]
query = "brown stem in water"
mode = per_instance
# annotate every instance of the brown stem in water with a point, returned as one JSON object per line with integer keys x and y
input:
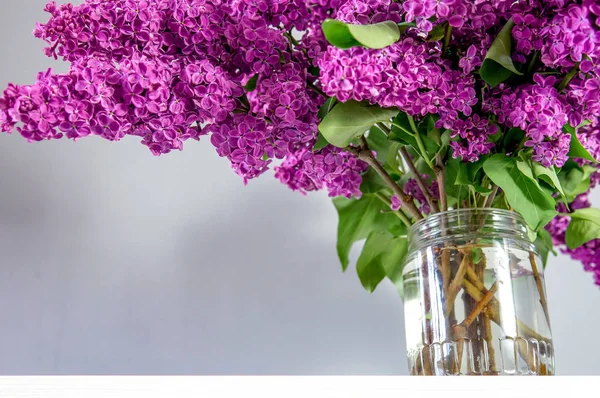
{"x": 494, "y": 312}
{"x": 457, "y": 283}
{"x": 538, "y": 282}
{"x": 485, "y": 300}
{"x": 487, "y": 329}
{"x": 485, "y": 324}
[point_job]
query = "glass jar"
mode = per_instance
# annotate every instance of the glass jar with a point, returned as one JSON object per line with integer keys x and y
{"x": 474, "y": 297}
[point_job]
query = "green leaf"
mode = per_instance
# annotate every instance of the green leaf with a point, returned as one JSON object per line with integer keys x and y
{"x": 477, "y": 255}
{"x": 575, "y": 179}
{"x": 584, "y": 227}
{"x": 372, "y": 182}
{"x": 321, "y": 143}
{"x": 342, "y": 35}
{"x": 453, "y": 190}
{"x": 386, "y": 152}
{"x": 382, "y": 256}
{"x": 379, "y": 35}
{"x": 462, "y": 178}
{"x": 523, "y": 194}
{"x": 251, "y": 85}
{"x": 357, "y": 219}
{"x": 379, "y": 143}
{"x": 438, "y": 32}
{"x": 513, "y": 138}
{"x": 403, "y": 26}
{"x": 498, "y": 65}
{"x": 338, "y": 34}
{"x": 402, "y": 132}
{"x": 351, "y": 119}
{"x": 468, "y": 175}
{"x": 549, "y": 176}
{"x": 577, "y": 150}
{"x": 544, "y": 245}
{"x": 326, "y": 107}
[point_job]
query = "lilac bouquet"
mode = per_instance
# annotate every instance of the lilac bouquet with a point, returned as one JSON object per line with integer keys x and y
{"x": 399, "y": 109}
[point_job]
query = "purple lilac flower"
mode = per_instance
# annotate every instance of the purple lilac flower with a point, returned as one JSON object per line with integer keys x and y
{"x": 332, "y": 168}
{"x": 589, "y": 253}
{"x": 473, "y": 134}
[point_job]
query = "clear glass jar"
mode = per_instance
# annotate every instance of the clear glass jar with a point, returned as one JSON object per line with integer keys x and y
{"x": 474, "y": 297}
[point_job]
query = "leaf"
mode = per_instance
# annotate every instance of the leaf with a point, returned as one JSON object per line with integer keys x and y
{"x": 544, "y": 245}
{"x": 326, "y": 107}
{"x": 392, "y": 161}
{"x": 402, "y": 132}
{"x": 357, "y": 219}
{"x": 382, "y": 256}
{"x": 342, "y": 35}
{"x": 577, "y": 150}
{"x": 379, "y": 143}
{"x": 477, "y": 255}
{"x": 523, "y": 194}
{"x": 549, "y": 176}
{"x": 372, "y": 182}
{"x": 337, "y": 34}
{"x": 467, "y": 174}
{"x": 584, "y": 227}
{"x": 575, "y": 179}
{"x": 438, "y": 32}
{"x": 379, "y": 35}
{"x": 321, "y": 143}
{"x": 498, "y": 65}
{"x": 403, "y": 26}
{"x": 251, "y": 85}
{"x": 512, "y": 139}
{"x": 451, "y": 174}
{"x": 349, "y": 120}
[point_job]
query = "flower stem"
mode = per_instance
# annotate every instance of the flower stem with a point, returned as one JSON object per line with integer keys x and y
{"x": 538, "y": 282}
{"x": 366, "y": 155}
{"x": 457, "y": 282}
{"x": 411, "y": 165}
{"x": 568, "y": 77}
{"x": 316, "y": 89}
{"x": 490, "y": 199}
{"x": 447, "y": 38}
{"x": 485, "y": 300}
{"x": 420, "y": 144}
{"x": 440, "y": 174}
{"x": 413, "y": 125}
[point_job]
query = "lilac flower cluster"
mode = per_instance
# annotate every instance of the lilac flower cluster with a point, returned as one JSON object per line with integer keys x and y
{"x": 538, "y": 109}
{"x": 170, "y": 70}
{"x": 411, "y": 187}
{"x": 474, "y": 133}
{"x": 409, "y": 75}
{"x": 589, "y": 253}
{"x": 338, "y": 171}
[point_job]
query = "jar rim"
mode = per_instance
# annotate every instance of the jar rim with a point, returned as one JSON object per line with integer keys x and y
{"x": 467, "y": 223}
{"x": 473, "y": 210}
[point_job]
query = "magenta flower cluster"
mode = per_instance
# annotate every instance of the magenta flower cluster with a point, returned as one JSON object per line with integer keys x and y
{"x": 589, "y": 253}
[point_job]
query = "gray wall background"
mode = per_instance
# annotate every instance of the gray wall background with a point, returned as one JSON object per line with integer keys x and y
{"x": 113, "y": 261}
